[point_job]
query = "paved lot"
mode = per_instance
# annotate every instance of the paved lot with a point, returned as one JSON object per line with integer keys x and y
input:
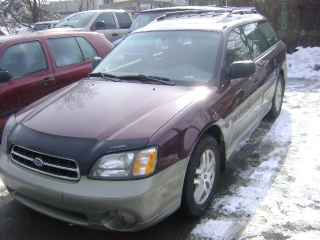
{"x": 269, "y": 189}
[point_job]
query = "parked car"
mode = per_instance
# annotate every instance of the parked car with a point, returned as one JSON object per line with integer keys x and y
{"x": 153, "y": 127}
{"x": 113, "y": 23}
{"x": 36, "y": 64}
{"x": 39, "y": 26}
{"x": 145, "y": 17}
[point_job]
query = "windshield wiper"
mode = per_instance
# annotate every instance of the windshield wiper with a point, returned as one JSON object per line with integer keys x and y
{"x": 105, "y": 76}
{"x": 149, "y": 78}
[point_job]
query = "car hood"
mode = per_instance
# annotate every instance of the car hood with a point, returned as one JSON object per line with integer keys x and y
{"x": 108, "y": 110}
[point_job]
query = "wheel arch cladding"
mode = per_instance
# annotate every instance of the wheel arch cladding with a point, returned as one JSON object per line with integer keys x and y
{"x": 217, "y": 134}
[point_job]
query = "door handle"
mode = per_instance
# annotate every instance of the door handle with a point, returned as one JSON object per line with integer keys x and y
{"x": 115, "y": 34}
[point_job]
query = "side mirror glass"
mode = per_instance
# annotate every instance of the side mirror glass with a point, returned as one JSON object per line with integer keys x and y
{"x": 5, "y": 76}
{"x": 95, "y": 61}
{"x": 242, "y": 69}
{"x": 100, "y": 25}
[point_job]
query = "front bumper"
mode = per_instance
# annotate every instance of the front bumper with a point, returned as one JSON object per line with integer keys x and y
{"x": 115, "y": 205}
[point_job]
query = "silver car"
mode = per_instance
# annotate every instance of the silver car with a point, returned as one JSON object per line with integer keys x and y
{"x": 113, "y": 23}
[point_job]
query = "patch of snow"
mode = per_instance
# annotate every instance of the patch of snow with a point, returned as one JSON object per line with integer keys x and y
{"x": 304, "y": 63}
{"x": 3, "y": 189}
{"x": 292, "y": 206}
{"x": 216, "y": 229}
{"x": 306, "y": 235}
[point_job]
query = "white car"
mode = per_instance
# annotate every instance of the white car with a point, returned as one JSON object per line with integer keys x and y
{"x": 113, "y": 23}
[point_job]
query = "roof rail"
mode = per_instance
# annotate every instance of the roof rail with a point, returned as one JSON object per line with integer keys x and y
{"x": 241, "y": 10}
{"x": 191, "y": 12}
{"x": 212, "y": 12}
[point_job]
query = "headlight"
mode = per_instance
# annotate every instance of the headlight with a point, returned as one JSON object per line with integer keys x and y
{"x": 127, "y": 164}
{"x": 10, "y": 124}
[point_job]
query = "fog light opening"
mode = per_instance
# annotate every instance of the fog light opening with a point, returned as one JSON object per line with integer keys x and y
{"x": 119, "y": 220}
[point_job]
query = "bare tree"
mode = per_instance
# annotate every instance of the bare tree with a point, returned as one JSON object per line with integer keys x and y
{"x": 24, "y": 12}
{"x": 35, "y": 8}
{"x": 86, "y": 5}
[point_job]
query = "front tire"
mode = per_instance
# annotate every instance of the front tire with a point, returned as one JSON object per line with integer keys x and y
{"x": 277, "y": 100}
{"x": 202, "y": 177}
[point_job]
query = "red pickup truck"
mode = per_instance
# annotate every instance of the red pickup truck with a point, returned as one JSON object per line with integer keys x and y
{"x": 33, "y": 65}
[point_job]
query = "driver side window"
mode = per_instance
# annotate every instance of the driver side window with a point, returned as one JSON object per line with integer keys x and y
{"x": 107, "y": 19}
{"x": 237, "y": 49}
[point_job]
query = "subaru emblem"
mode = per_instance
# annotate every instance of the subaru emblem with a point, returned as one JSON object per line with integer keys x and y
{"x": 38, "y": 162}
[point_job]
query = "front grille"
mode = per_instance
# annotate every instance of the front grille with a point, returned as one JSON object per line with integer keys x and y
{"x": 46, "y": 164}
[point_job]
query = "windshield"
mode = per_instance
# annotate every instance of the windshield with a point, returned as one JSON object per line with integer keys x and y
{"x": 79, "y": 20}
{"x": 144, "y": 19}
{"x": 182, "y": 56}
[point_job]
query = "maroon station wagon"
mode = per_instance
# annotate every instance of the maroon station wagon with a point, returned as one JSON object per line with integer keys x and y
{"x": 33, "y": 65}
{"x": 152, "y": 128}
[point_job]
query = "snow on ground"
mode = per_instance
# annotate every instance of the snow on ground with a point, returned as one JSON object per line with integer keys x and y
{"x": 291, "y": 209}
{"x": 304, "y": 63}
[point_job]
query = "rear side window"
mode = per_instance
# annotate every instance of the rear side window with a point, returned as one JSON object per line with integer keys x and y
{"x": 257, "y": 41}
{"x": 237, "y": 49}
{"x": 268, "y": 33}
{"x": 89, "y": 52}
{"x": 65, "y": 51}
{"x": 24, "y": 59}
{"x": 124, "y": 20}
{"x": 108, "y": 20}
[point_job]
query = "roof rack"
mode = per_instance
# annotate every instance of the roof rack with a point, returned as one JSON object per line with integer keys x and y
{"x": 241, "y": 10}
{"x": 215, "y": 12}
{"x": 191, "y": 12}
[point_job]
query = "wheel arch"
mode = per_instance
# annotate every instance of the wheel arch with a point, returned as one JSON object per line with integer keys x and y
{"x": 215, "y": 131}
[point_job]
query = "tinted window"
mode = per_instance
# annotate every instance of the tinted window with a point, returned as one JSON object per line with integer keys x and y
{"x": 183, "y": 56}
{"x": 65, "y": 51}
{"x": 107, "y": 19}
{"x": 237, "y": 49}
{"x": 24, "y": 59}
{"x": 87, "y": 49}
{"x": 124, "y": 20}
{"x": 256, "y": 40}
{"x": 269, "y": 33}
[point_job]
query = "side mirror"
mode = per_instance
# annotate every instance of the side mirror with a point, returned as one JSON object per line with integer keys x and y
{"x": 5, "y": 76}
{"x": 95, "y": 61}
{"x": 242, "y": 69}
{"x": 100, "y": 25}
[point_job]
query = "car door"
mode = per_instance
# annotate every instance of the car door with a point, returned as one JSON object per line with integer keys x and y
{"x": 109, "y": 27}
{"x": 265, "y": 59}
{"x": 241, "y": 97}
{"x": 28, "y": 66}
{"x": 70, "y": 65}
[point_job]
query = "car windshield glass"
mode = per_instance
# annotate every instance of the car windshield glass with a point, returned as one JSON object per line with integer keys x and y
{"x": 144, "y": 19}
{"x": 79, "y": 20}
{"x": 181, "y": 56}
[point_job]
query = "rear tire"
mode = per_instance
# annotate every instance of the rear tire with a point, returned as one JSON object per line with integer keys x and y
{"x": 202, "y": 177}
{"x": 277, "y": 100}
